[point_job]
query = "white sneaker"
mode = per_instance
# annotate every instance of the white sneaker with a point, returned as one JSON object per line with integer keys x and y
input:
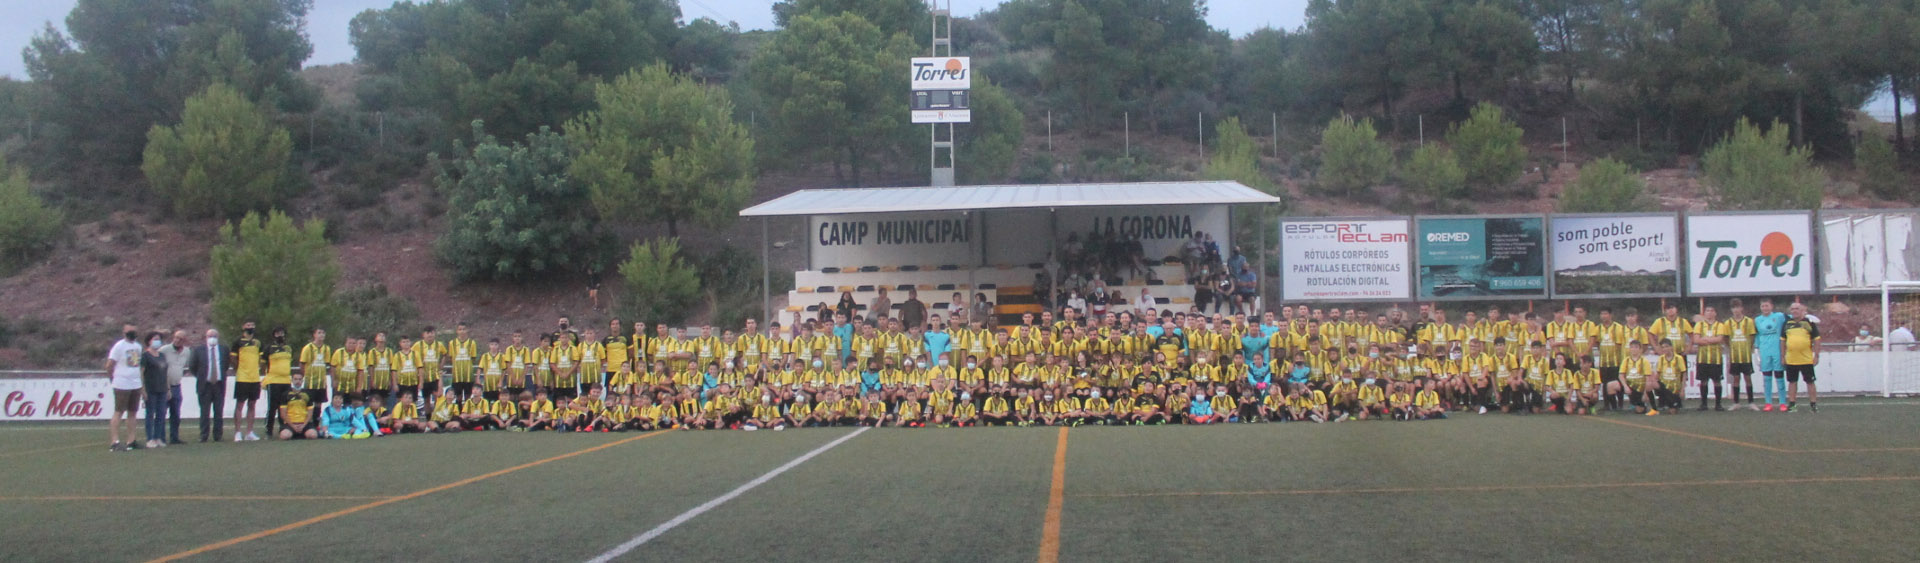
{"x": 1483, "y": 410}
{"x": 1752, "y": 406}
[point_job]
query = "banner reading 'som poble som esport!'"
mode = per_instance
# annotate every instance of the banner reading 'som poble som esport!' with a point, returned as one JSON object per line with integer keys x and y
{"x": 1616, "y": 255}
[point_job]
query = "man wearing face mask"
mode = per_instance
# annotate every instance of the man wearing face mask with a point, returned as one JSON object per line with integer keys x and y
{"x": 175, "y": 352}
{"x": 279, "y": 377}
{"x": 247, "y": 364}
{"x": 153, "y": 383}
{"x": 208, "y": 364}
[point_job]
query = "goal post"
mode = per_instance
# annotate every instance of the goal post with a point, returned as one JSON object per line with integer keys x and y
{"x": 1899, "y": 354}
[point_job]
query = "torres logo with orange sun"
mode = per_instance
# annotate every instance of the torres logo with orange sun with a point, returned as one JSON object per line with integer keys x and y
{"x": 1749, "y": 253}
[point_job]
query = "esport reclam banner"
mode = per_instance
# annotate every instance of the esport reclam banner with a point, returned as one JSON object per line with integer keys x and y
{"x": 1769, "y": 252}
{"x": 1345, "y": 259}
{"x": 1634, "y": 255}
{"x": 1487, "y": 257}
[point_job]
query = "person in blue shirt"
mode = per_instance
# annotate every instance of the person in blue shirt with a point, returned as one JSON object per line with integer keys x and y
{"x": 1199, "y": 411}
{"x": 869, "y": 377}
{"x": 938, "y": 341}
{"x": 1254, "y": 344}
{"x": 709, "y": 379}
{"x": 843, "y": 330}
{"x": 1260, "y": 374}
{"x": 1770, "y": 362}
{"x": 1300, "y": 374}
{"x": 342, "y": 421}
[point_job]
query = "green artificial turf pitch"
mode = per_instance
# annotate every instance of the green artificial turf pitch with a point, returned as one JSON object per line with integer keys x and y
{"x": 1841, "y": 484}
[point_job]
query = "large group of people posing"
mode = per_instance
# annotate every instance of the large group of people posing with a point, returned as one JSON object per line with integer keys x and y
{"x": 1298, "y": 364}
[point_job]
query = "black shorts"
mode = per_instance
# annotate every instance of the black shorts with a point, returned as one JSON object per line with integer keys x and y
{"x": 1740, "y": 368}
{"x": 1609, "y": 375}
{"x": 246, "y": 391}
{"x": 1795, "y": 373}
{"x": 317, "y": 396}
{"x": 1708, "y": 372}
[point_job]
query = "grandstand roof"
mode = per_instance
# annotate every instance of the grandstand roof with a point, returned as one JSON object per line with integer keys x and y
{"x": 968, "y": 198}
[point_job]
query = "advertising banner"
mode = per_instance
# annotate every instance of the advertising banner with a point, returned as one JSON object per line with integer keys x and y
{"x": 1616, "y": 255}
{"x": 1864, "y": 248}
{"x": 74, "y": 396}
{"x": 1345, "y": 260}
{"x": 941, "y": 89}
{"x": 1750, "y": 253}
{"x": 1482, "y": 257}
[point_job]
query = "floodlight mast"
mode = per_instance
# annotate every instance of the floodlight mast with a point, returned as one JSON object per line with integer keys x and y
{"x": 942, "y": 46}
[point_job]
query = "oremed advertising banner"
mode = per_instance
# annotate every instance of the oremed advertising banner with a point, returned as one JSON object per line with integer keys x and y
{"x": 1615, "y": 255}
{"x": 1481, "y": 257}
{"x": 1345, "y": 260}
{"x": 1750, "y": 253}
{"x": 1863, "y": 248}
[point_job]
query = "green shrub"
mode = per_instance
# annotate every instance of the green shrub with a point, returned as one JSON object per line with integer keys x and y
{"x": 1879, "y": 167}
{"x": 1352, "y": 156}
{"x": 223, "y": 159}
{"x": 273, "y": 272}
{"x": 1489, "y": 148}
{"x": 1606, "y": 186}
{"x": 660, "y": 285}
{"x": 28, "y": 228}
{"x": 1435, "y": 172}
{"x": 1751, "y": 169}
{"x": 515, "y": 213}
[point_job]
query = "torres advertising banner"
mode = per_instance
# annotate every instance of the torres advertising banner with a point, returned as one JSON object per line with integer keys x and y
{"x": 1863, "y": 248}
{"x": 1346, "y": 260}
{"x": 1481, "y": 257}
{"x": 1749, "y": 253}
{"x": 891, "y": 239}
{"x": 1616, "y": 255}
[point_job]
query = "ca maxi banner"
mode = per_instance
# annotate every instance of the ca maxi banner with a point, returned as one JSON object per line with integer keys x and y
{"x": 1345, "y": 259}
{"x": 1632, "y": 255}
{"x": 1485, "y": 257}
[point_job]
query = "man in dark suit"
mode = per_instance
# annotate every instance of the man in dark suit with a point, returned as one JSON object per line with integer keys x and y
{"x": 210, "y": 364}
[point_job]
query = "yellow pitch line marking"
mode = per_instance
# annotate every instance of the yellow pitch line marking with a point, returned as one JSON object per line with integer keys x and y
{"x": 1056, "y": 497}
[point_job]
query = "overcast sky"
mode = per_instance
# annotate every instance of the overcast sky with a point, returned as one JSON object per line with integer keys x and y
{"x": 327, "y": 24}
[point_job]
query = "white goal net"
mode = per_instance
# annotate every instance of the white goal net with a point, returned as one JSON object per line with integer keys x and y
{"x": 1899, "y": 353}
